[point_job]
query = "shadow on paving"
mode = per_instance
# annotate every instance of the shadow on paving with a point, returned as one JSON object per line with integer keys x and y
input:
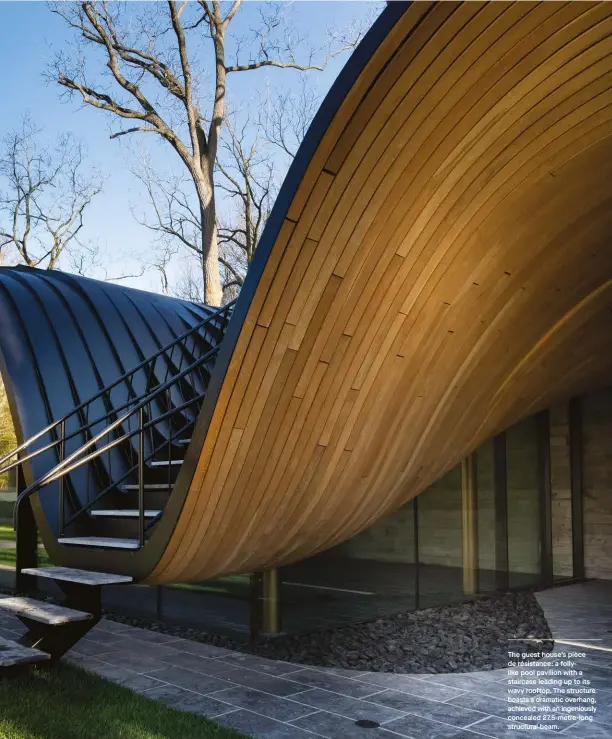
{"x": 68, "y": 703}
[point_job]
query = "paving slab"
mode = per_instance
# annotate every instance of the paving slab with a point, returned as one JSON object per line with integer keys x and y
{"x": 335, "y": 683}
{"x": 186, "y": 700}
{"x": 352, "y": 708}
{"x": 195, "y": 681}
{"x": 267, "y": 699}
{"x": 262, "y": 727}
{"x": 414, "y": 686}
{"x": 281, "y": 709}
{"x": 331, "y": 726}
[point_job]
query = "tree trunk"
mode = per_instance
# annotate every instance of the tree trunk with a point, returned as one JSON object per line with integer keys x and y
{"x": 213, "y": 293}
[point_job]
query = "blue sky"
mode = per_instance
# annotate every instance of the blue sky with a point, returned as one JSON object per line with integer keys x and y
{"x": 30, "y": 34}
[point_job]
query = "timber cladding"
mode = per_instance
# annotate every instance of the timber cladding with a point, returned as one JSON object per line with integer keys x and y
{"x": 443, "y": 269}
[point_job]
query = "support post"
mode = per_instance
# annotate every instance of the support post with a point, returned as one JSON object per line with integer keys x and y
{"x": 271, "y": 602}
{"x": 417, "y": 566}
{"x": 469, "y": 523}
{"x": 255, "y": 600}
{"x": 545, "y": 491}
{"x": 27, "y": 541}
{"x": 500, "y": 482}
{"x": 576, "y": 475}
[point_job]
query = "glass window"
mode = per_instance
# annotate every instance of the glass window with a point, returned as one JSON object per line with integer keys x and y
{"x": 523, "y": 504}
{"x": 560, "y": 478}
{"x": 487, "y": 520}
{"x": 372, "y": 574}
{"x": 440, "y": 541}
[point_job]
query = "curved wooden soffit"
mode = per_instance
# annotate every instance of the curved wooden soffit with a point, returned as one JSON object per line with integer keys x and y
{"x": 437, "y": 267}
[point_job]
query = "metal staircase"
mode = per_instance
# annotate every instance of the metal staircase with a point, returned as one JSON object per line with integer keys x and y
{"x": 111, "y": 464}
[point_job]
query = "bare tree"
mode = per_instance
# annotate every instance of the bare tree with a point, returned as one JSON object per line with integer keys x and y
{"x": 286, "y": 116}
{"x": 44, "y": 192}
{"x": 188, "y": 286}
{"x": 90, "y": 261}
{"x": 245, "y": 176}
{"x": 156, "y": 89}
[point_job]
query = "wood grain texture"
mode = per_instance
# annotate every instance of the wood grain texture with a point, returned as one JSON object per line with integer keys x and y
{"x": 443, "y": 270}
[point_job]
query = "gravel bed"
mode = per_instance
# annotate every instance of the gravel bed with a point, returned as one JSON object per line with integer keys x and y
{"x": 454, "y": 638}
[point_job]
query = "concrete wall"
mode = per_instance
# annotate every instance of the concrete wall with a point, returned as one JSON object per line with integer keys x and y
{"x": 486, "y": 508}
{"x": 523, "y": 498}
{"x": 391, "y": 539}
{"x": 440, "y": 522}
{"x": 597, "y": 481}
{"x": 560, "y": 481}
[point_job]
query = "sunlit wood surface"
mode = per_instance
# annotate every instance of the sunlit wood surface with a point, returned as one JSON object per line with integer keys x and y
{"x": 443, "y": 270}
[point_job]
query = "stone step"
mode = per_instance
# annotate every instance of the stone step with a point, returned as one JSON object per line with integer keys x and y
{"x": 12, "y": 653}
{"x": 45, "y": 613}
{"x": 152, "y": 486}
{"x": 104, "y": 542}
{"x": 123, "y": 513}
{"x": 82, "y": 577}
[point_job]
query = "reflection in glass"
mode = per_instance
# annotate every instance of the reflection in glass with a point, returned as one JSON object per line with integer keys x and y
{"x": 371, "y": 575}
{"x": 487, "y": 518}
{"x": 524, "y": 557}
{"x": 440, "y": 542}
{"x": 560, "y": 478}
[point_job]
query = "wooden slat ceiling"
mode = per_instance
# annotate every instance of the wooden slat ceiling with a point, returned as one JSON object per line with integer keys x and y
{"x": 443, "y": 270}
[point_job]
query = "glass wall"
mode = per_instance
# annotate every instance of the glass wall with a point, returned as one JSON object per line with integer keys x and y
{"x": 488, "y": 513}
{"x": 523, "y": 490}
{"x": 561, "y": 492}
{"x": 517, "y": 535}
{"x": 440, "y": 549}
{"x": 370, "y": 575}
{"x": 221, "y": 605}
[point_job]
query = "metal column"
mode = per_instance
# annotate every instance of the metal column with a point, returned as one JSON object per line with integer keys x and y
{"x": 469, "y": 523}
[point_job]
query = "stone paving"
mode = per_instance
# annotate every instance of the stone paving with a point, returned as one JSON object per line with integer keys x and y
{"x": 277, "y": 700}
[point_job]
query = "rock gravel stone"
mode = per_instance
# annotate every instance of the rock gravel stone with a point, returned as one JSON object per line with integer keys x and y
{"x": 461, "y": 637}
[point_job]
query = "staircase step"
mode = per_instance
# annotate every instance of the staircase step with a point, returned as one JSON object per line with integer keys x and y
{"x": 155, "y": 486}
{"x": 12, "y": 653}
{"x": 166, "y": 462}
{"x": 105, "y": 542}
{"x": 46, "y": 613}
{"x": 123, "y": 513}
{"x": 83, "y": 577}
{"x": 184, "y": 442}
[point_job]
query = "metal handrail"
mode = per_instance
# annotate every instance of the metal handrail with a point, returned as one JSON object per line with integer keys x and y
{"x": 110, "y": 445}
{"x": 105, "y": 390}
{"x": 64, "y": 467}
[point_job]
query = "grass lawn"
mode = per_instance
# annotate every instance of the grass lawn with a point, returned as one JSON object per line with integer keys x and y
{"x": 6, "y": 530}
{"x": 69, "y": 703}
{"x": 8, "y": 556}
{"x": 236, "y": 586}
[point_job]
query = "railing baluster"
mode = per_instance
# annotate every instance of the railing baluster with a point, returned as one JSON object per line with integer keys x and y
{"x": 169, "y": 445}
{"x": 141, "y": 463}
{"x": 62, "y": 451}
{"x": 134, "y": 405}
{"x": 88, "y": 469}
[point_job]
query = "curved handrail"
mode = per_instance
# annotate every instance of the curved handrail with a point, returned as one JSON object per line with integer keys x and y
{"x": 64, "y": 467}
{"x": 24, "y": 445}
